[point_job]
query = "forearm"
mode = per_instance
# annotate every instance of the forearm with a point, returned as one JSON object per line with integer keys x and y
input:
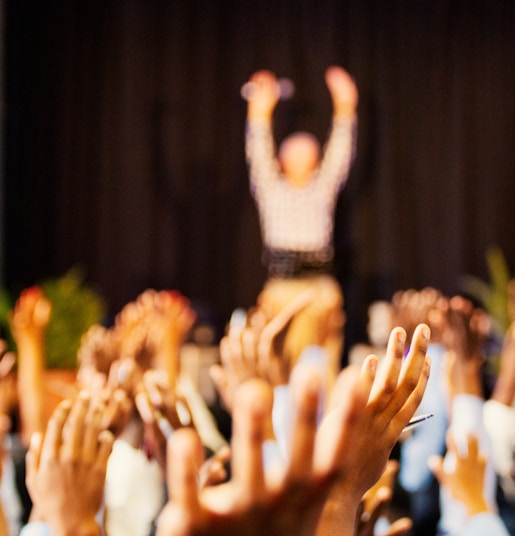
{"x": 31, "y": 386}
{"x": 504, "y": 391}
{"x": 339, "y": 152}
{"x": 260, "y": 153}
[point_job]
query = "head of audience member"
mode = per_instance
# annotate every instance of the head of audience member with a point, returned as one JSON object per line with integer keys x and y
{"x": 379, "y": 322}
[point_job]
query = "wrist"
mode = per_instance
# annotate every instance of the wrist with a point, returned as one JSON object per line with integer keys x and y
{"x": 340, "y": 511}
{"x": 264, "y": 116}
{"x": 344, "y": 109}
{"x": 31, "y": 345}
{"x": 477, "y": 506}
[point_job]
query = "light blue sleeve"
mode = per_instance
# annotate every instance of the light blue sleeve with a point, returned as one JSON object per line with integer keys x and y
{"x": 485, "y": 524}
{"x": 428, "y": 439}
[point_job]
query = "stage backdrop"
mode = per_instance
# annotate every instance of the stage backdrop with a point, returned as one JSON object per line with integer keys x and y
{"x": 124, "y": 140}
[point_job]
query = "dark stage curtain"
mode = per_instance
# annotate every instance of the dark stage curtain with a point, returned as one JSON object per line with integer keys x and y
{"x": 124, "y": 140}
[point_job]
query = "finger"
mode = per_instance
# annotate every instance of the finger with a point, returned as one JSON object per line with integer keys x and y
{"x": 338, "y": 427}
{"x": 105, "y": 446}
{"x": 91, "y": 430}
{"x": 279, "y": 323}
{"x": 306, "y": 385}
{"x": 248, "y": 344}
{"x": 115, "y": 413}
{"x": 217, "y": 375}
{"x": 153, "y": 380}
{"x": 387, "y": 377}
{"x": 379, "y": 505}
{"x": 400, "y": 527}
{"x": 33, "y": 454}
{"x": 183, "y": 463}
{"x": 252, "y": 408}
{"x": 224, "y": 348}
{"x": 223, "y": 454}
{"x": 232, "y": 356}
{"x": 144, "y": 407}
{"x": 74, "y": 427}
{"x": 412, "y": 368}
{"x": 42, "y": 310}
{"x": 282, "y": 319}
{"x": 7, "y": 363}
{"x": 54, "y": 431}
{"x": 237, "y": 322}
{"x": 369, "y": 370}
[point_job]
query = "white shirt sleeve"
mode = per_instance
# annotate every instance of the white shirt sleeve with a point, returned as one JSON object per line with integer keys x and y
{"x": 499, "y": 421}
{"x": 338, "y": 154}
{"x": 36, "y": 528}
{"x": 260, "y": 151}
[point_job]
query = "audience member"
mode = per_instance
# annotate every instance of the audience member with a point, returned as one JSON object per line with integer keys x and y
{"x": 465, "y": 482}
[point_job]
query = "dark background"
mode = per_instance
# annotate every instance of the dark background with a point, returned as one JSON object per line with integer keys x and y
{"x": 124, "y": 141}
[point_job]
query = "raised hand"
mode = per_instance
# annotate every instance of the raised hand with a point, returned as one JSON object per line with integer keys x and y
{"x": 248, "y": 502}
{"x": 466, "y": 482}
{"x": 153, "y": 328}
{"x": 30, "y": 316}
{"x": 388, "y": 399}
{"x": 464, "y": 335}
{"x": 412, "y": 307}
{"x": 264, "y": 95}
{"x": 99, "y": 348}
{"x": 343, "y": 90}
{"x": 256, "y": 350}
{"x": 162, "y": 410}
{"x": 351, "y": 448}
{"x": 28, "y": 322}
{"x": 66, "y": 468}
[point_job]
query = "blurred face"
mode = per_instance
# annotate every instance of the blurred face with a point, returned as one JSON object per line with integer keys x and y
{"x": 298, "y": 156}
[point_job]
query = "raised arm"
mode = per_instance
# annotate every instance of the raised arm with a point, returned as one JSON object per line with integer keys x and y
{"x": 28, "y": 322}
{"x": 465, "y": 483}
{"x": 259, "y": 142}
{"x": 66, "y": 468}
{"x": 339, "y": 150}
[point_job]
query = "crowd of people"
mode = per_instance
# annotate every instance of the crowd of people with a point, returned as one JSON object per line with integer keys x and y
{"x": 315, "y": 447}
{"x": 134, "y": 449}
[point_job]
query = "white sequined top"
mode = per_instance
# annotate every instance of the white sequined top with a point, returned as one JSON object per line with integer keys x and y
{"x": 298, "y": 219}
